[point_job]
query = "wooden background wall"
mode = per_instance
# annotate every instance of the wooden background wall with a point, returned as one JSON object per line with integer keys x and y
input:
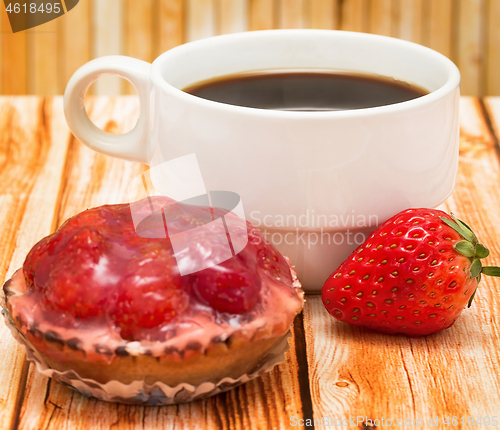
{"x": 41, "y": 60}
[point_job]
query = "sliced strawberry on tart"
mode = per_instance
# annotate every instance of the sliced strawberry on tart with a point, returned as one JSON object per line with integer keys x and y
{"x": 99, "y": 299}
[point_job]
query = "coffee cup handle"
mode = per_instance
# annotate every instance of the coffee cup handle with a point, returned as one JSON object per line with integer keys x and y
{"x": 134, "y": 145}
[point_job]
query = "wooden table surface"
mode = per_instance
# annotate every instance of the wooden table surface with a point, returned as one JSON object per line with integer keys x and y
{"x": 332, "y": 370}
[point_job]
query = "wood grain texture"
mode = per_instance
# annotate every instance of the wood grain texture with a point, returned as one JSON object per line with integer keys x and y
{"x": 493, "y": 51}
{"x": 323, "y": 14}
{"x": 291, "y": 13}
{"x": 467, "y": 31}
{"x": 354, "y": 15}
{"x": 441, "y": 14}
{"x": 107, "y": 25}
{"x": 411, "y": 20}
{"x": 262, "y": 15}
{"x": 138, "y": 34}
{"x": 75, "y": 37}
{"x": 231, "y": 16}
{"x": 42, "y": 57}
{"x": 470, "y": 58}
{"x": 200, "y": 18}
{"x": 355, "y": 371}
{"x": 33, "y": 143}
{"x": 3, "y": 23}
{"x": 13, "y": 78}
{"x": 169, "y": 24}
{"x": 381, "y": 17}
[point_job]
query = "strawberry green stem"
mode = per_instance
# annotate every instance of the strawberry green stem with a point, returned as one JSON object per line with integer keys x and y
{"x": 471, "y": 248}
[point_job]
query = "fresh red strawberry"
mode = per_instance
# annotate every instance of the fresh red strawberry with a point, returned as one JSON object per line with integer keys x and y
{"x": 413, "y": 275}
{"x": 73, "y": 284}
{"x": 152, "y": 293}
{"x": 230, "y": 286}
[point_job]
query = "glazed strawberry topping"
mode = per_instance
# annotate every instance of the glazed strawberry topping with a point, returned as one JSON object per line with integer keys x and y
{"x": 76, "y": 266}
{"x": 151, "y": 293}
{"x": 233, "y": 287}
{"x": 97, "y": 267}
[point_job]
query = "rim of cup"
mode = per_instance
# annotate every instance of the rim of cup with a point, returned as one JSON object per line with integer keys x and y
{"x": 450, "y": 85}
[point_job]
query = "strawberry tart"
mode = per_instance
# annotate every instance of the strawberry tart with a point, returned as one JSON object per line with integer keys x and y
{"x": 97, "y": 298}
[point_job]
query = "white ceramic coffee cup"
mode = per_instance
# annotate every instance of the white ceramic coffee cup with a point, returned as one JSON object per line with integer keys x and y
{"x": 298, "y": 173}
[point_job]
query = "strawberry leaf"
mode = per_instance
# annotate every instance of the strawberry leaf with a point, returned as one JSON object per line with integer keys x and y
{"x": 482, "y": 251}
{"x": 465, "y": 227}
{"x": 491, "y": 271}
{"x": 472, "y": 298}
{"x": 459, "y": 221}
{"x": 475, "y": 268}
{"x": 466, "y": 248}
{"x": 465, "y": 233}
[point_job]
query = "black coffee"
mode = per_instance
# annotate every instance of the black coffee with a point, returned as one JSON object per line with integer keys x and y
{"x": 305, "y": 90}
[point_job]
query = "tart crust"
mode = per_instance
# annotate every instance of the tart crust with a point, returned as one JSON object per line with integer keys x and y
{"x": 219, "y": 361}
{"x": 234, "y": 356}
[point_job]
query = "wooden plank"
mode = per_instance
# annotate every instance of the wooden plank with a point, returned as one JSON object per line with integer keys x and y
{"x": 13, "y": 77}
{"x": 75, "y": 34}
{"x": 411, "y": 17}
{"x": 262, "y": 15}
{"x": 291, "y": 13}
{"x": 4, "y": 28}
{"x": 470, "y": 46}
{"x": 107, "y": 19}
{"x": 441, "y": 26}
{"x": 200, "y": 18}
{"x": 170, "y": 25}
{"x": 33, "y": 146}
{"x": 323, "y": 14}
{"x": 358, "y": 372}
{"x": 44, "y": 77}
{"x": 138, "y": 34}
{"x": 138, "y": 40}
{"x": 493, "y": 53}
{"x": 381, "y": 17}
{"x": 231, "y": 16}
{"x": 354, "y": 15}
